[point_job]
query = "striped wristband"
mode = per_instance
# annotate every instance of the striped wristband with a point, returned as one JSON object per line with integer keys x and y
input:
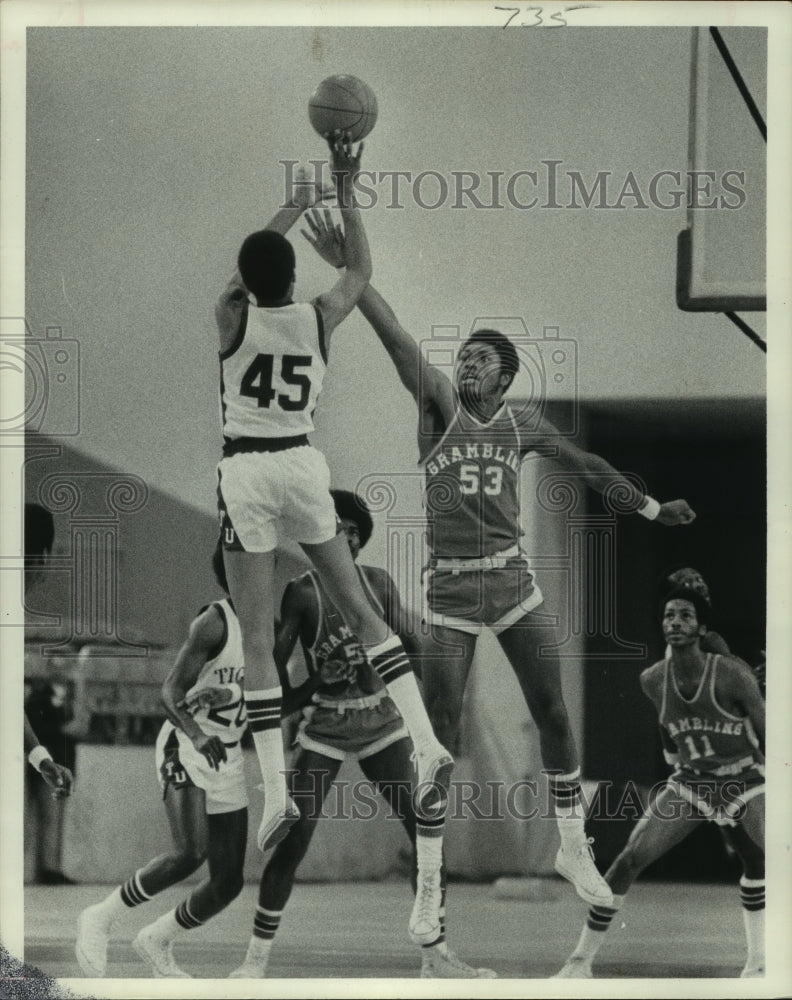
{"x": 38, "y": 755}
{"x": 650, "y": 509}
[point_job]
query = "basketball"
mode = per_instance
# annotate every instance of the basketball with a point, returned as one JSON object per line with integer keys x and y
{"x": 343, "y": 103}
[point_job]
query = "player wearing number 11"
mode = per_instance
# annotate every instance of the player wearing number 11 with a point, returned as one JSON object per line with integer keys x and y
{"x": 712, "y": 716}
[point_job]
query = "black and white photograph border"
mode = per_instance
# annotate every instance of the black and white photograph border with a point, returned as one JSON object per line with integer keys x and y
{"x": 569, "y": 174}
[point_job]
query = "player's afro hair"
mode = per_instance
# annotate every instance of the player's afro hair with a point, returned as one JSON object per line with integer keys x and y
{"x": 703, "y": 609}
{"x": 218, "y": 565}
{"x": 507, "y": 352}
{"x": 266, "y": 263}
{"x": 350, "y": 507}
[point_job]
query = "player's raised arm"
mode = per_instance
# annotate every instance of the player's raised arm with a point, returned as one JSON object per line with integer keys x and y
{"x": 339, "y": 302}
{"x": 231, "y": 309}
{"x": 601, "y": 476}
{"x": 425, "y": 384}
{"x": 205, "y": 639}
{"x": 232, "y": 305}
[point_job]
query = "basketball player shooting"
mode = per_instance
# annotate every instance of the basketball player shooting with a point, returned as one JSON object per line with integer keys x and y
{"x": 273, "y": 354}
{"x": 471, "y": 443}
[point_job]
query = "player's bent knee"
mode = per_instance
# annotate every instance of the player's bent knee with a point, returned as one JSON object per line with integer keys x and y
{"x": 188, "y": 861}
{"x": 226, "y": 886}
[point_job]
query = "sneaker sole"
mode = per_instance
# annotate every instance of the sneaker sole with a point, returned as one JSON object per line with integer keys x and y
{"x": 144, "y": 955}
{"x": 90, "y": 970}
{"x": 480, "y": 974}
{"x": 279, "y": 833}
{"x": 589, "y": 897}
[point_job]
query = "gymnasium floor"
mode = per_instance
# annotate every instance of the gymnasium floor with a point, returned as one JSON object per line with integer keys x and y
{"x": 358, "y": 930}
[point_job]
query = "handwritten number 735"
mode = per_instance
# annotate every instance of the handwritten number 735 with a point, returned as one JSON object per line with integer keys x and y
{"x": 539, "y": 16}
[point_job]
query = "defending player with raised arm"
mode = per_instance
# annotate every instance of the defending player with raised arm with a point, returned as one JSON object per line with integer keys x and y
{"x": 347, "y": 715}
{"x": 273, "y": 354}
{"x": 471, "y": 443}
{"x": 713, "y": 717}
{"x": 200, "y": 770}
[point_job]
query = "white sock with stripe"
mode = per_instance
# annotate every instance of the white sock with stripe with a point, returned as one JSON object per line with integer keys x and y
{"x": 390, "y": 662}
{"x": 592, "y": 936}
{"x": 264, "y": 715}
{"x": 566, "y": 797}
{"x": 752, "y": 895}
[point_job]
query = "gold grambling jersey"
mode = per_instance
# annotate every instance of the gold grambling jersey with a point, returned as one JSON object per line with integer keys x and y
{"x": 221, "y": 708}
{"x": 271, "y": 376}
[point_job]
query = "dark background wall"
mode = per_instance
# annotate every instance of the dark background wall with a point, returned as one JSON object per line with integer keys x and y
{"x": 712, "y": 453}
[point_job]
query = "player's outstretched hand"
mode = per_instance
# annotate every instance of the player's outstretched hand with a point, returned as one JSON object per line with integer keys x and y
{"x": 213, "y": 748}
{"x": 306, "y": 192}
{"x": 346, "y": 163}
{"x": 326, "y": 238}
{"x": 676, "y": 512}
{"x": 59, "y": 778}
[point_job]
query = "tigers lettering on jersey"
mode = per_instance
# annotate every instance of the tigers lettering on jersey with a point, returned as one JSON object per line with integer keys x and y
{"x": 706, "y": 736}
{"x": 271, "y": 376}
{"x": 220, "y": 707}
{"x": 472, "y": 487}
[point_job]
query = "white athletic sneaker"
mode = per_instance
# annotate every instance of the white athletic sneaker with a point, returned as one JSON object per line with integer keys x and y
{"x": 93, "y": 935}
{"x": 248, "y": 970}
{"x": 753, "y": 970}
{"x": 575, "y": 968}
{"x": 158, "y": 953}
{"x": 275, "y": 825}
{"x": 576, "y": 863}
{"x": 424, "y": 926}
{"x": 434, "y": 765}
{"x": 435, "y": 965}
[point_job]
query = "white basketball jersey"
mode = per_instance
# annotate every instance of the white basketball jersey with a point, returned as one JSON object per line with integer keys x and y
{"x": 271, "y": 376}
{"x": 222, "y": 680}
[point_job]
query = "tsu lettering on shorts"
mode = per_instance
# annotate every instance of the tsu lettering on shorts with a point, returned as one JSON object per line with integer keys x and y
{"x": 548, "y": 371}
{"x": 41, "y": 380}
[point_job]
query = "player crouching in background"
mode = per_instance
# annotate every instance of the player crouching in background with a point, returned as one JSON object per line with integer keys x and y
{"x": 712, "y": 716}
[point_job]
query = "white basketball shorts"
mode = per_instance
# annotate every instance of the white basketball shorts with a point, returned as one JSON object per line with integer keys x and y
{"x": 260, "y": 492}
{"x": 180, "y": 765}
